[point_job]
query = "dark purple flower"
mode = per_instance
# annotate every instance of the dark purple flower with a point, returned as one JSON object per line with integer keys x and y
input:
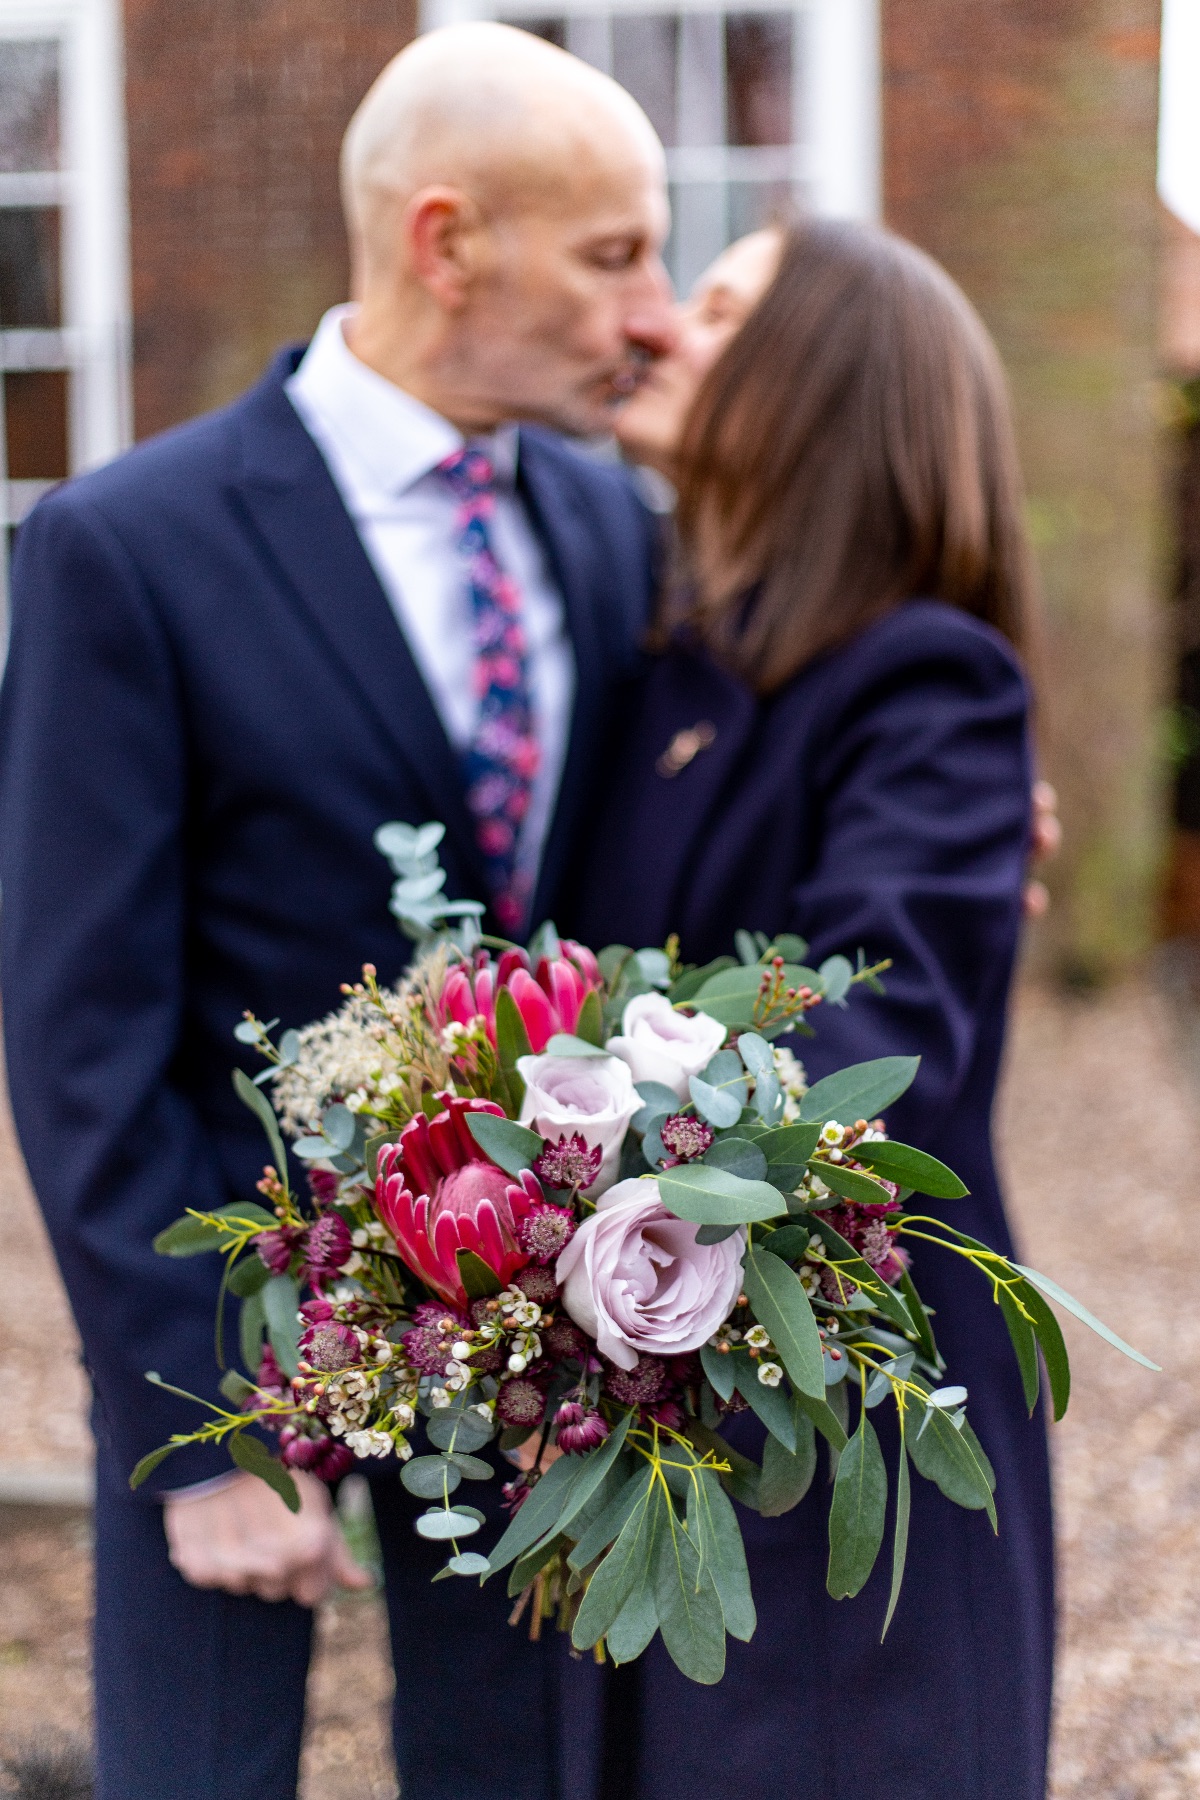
{"x": 271, "y": 1378}
{"x": 568, "y": 1164}
{"x": 328, "y": 1247}
{"x": 670, "y": 1414}
{"x": 329, "y": 1347}
{"x": 643, "y": 1385}
{"x": 515, "y": 1493}
{"x": 545, "y": 1231}
{"x": 537, "y": 1284}
{"x": 322, "y": 1456}
{"x": 577, "y": 1430}
{"x": 317, "y": 1311}
{"x": 323, "y": 1185}
{"x": 436, "y": 1329}
{"x": 562, "y": 1340}
{"x": 520, "y": 1402}
{"x": 685, "y": 1137}
{"x": 276, "y": 1247}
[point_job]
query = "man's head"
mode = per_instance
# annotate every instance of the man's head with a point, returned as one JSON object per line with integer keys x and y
{"x": 507, "y": 208}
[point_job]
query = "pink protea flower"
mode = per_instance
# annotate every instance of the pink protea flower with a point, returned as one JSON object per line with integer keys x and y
{"x": 437, "y": 1193}
{"x": 577, "y": 1430}
{"x": 549, "y": 999}
{"x": 328, "y": 1247}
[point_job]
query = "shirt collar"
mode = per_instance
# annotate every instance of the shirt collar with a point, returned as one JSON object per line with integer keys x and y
{"x": 386, "y": 437}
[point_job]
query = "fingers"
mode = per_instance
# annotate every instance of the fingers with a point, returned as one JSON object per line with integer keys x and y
{"x": 346, "y": 1571}
{"x": 243, "y": 1539}
{"x": 1046, "y": 828}
{"x": 1036, "y": 900}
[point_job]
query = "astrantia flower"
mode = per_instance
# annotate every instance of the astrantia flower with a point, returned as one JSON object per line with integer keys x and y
{"x": 569, "y": 1163}
{"x": 538, "y": 1283}
{"x": 275, "y": 1248}
{"x": 271, "y": 1378}
{"x": 330, "y": 1347}
{"x": 328, "y": 1248}
{"x": 323, "y": 1185}
{"x": 592, "y": 1097}
{"x": 576, "y": 1430}
{"x": 686, "y": 1137}
{"x": 544, "y": 1234}
{"x": 438, "y": 1193}
{"x": 520, "y": 1402}
{"x": 642, "y": 1385}
{"x": 563, "y": 1341}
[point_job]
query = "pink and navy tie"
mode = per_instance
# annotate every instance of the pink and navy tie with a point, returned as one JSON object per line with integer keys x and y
{"x": 502, "y": 759}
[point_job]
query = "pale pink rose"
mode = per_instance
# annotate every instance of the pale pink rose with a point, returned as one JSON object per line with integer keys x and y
{"x": 592, "y": 1096}
{"x": 660, "y": 1044}
{"x": 635, "y": 1279}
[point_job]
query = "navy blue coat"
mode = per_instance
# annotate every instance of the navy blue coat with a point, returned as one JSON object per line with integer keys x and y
{"x": 879, "y": 800}
{"x": 208, "y": 710}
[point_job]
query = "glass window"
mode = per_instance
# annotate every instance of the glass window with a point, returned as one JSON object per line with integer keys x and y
{"x": 29, "y": 126}
{"x": 30, "y": 261}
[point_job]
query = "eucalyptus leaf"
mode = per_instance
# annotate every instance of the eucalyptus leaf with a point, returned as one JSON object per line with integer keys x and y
{"x": 900, "y": 1539}
{"x": 510, "y": 1146}
{"x": 547, "y": 1501}
{"x": 252, "y": 1455}
{"x": 191, "y": 1236}
{"x": 594, "y": 1466}
{"x": 281, "y": 1303}
{"x": 472, "y": 1468}
{"x": 149, "y": 1463}
{"x": 527, "y": 1567}
{"x": 627, "y": 1565}
{"x": 689, "y": 1609}
{"x": 657, "y": 1100}
{"x": 1054, "y": 1292}
{"x": 636, "y": 1622}
{"x": 768, "y": 1098}
{"x": 252, "y": 1325}
{"x": 441, "y": 1525}
{"x": 248, "y": 1276}
{"x": 773, "y": 1405}
{"x": 1024, "y": 1343}
{"x": 261, "y": 1107}
{"x": 430, "y": 1477}
{"x": 911, "y": 1168}
{"x": 787, "y": 1149}
{"x": 339, "y": 1125}
{"x": 756, "y": 1053}
{"x": 235, "y": 1387}
{"x": 708, "y": 1196}
{"x": 468, "y": 1562}
{"x": 654, "y": 967}
{"x": 849, "y": 1183}
{"x": 850, "y": 1267}
{"x": 953, "y": 1459}
{"x": 856, "y": 1517}
{"x": 458, "y": 1428}
{"x": 738, "y": 1156}
{"x": 836, "y": 975}
{"x": 608, "y": 1527}
{"x": 718, "y": 1536}
{"x": 565, "y": 1043}
{"x": 720, "y": 1370}
{"x": 781, "y": 1306}
{"x": 787, "y": 1475}
{"x": 861, "y": 1091}
{"x": 741, "y": 1479}
{"x": 714, "y": 1234}
{"x": 719, "y": 1107}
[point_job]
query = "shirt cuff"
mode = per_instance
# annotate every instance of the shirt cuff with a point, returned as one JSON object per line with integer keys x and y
{"x": 199, "y": 1490}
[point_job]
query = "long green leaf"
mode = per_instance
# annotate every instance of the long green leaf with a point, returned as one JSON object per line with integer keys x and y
{"x": 856, "y": 1516}
{"x": 1024, "y": 1342}
{"x": 719, "y": 1369}
{"x": 512, "y": 1041}
{"x": 281, "y": 1301}
{"x": 252, "y": 1325}
{"x": 251, "y": 1454}
{"x": 716, "y": 1531}
{"x": 594, "y": 1467}
{"x": 861, "y": 1091}
{"x": 590, "y": 1024}
{"x": 851, "y": 1184}
{"x": 540, "y": 1513}
{"x": 608, "y": 1527}
{"x": 911, "y": 1168}
{"x": 533, "y": 1561}
{"x": 149, "y": 1463}
{"x": 743, "y": 1476}
{"x": 787, "y": 1149}
{"x": 707, "y": 1196}
{"x": 781, "y": 1306}
{"x": 772, "y": 1404}
{"x": 1054, "y": 1292}
{"x": 627, "y": 1564}
{"x": 637, "y": 1620}
{"x": 900, "y": 1540}
{"x": 926, "y": 1342}
{"x": 261, "y": 1107}
{"x": 512, "y": 1147}
{"x": 689, "y": 1607}
{"x": 1054, "y": 1348}
{"x": 953, "y": 1459}
{"x": 190, "y": 1236}
{"x": 786, "y": 1478}
{"x": 824, "y": 1418}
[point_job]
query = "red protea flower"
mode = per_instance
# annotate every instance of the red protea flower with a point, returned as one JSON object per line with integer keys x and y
{"x": 437, "y": 1193}
{"x": 549, "y": 999}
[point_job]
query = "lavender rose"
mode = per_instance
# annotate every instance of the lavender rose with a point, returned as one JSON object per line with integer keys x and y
{"x": 591, "y": 1097}
{"x": 636, "y": 1280}
{"x": 660, "y": 1044}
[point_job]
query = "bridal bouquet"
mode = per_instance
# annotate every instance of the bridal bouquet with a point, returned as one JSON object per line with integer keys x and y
{"x": 589, "y": 1205}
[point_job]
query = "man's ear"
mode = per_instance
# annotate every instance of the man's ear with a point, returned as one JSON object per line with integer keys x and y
{"x": 443, "y": 228}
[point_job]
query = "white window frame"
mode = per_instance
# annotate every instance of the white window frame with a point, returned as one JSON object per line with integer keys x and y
{"x": 834, "y": 165}
{"x": 93, "y": 343}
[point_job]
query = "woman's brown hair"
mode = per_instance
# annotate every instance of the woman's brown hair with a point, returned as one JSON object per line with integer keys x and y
{"x": 852, "y": 448}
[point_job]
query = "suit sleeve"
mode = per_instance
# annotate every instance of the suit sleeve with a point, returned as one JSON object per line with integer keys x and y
{"x": 93, "y": 860}
{"x": 922, "y": 804}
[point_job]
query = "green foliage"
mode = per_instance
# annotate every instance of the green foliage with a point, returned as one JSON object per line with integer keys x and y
{"x": 1087, "y": 1318}
{"x": 480, "y": 1281}
{"x": 787, "y": 1475}
{"x": 856, "y": 1516}
{"x": 781, "y": 1306}
{"x": 590, "y": 1024}
{"x": 512, "y": 1041}
{"x": 714, "y": 1527}
{"x": 196, "y": 1233}
{"x": 430, "y": 1477}
{"x": 261, "y": 1107}
{"x": 738, "y": 1156}
{"x": 689, "y": 1609}
{"x": 280, "y": 1299}
{"x": 773, "y": 1405}
{"x": 900, "y": 1539}
{"x": 787, "y": 1149}
{"x": 540, "y": 1513}
{"x": 512, "y": 1147}
{"x": 951, "y": 1456}
{"x": 149, "y": 1463}
{"x": 849, "y": 1183}
{"x": 251, "y": 1454}
{"x": 851, "y": 1267}
{"x": 911, "y": 1168}
{"x": 708, "y": 1196}
{"x": 602, "y": 1532}
{"x": 861, "y": 1091}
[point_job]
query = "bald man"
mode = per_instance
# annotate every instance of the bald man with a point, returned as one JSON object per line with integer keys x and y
{"x": 235, "y": 653}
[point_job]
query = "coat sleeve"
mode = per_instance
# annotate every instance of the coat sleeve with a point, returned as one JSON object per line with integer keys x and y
{"x": 921, "y": 831}
{"x": 93, "y": 859}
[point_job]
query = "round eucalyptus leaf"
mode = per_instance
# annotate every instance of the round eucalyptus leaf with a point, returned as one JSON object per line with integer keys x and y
{"x": 443, "y": 1525}
{"x": 429, "y": 1477}
{"x": 468, "y": 1562}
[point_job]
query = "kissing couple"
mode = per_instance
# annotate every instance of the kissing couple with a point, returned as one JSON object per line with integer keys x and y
{"x": 389, "y": 583}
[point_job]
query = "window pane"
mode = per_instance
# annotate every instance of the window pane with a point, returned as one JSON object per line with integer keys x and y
{"x": 644, "y": 58}
{"x": 758, "y": 62}
{"x": 699, "y": 229}
{"x": 28, "y": 104}
{"x": 35, "y": 415}
{"x": 29, "y": 265}
{"x": 756, "y": 203}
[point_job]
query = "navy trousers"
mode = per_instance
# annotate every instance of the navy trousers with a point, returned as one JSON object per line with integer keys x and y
{"x": 200, "y": 1695}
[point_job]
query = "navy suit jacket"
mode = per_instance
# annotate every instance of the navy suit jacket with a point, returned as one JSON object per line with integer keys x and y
{"x": 208, "y": 710}
{"x": 881, "y": 800}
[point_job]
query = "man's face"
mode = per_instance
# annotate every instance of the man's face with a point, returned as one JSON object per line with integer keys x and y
{"x": 576, "y": 301}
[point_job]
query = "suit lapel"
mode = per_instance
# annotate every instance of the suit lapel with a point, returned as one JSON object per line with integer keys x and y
{"x": 295, "y": 507}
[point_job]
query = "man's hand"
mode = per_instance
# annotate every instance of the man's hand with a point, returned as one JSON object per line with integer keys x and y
{"x": 1045, "y": 839}
{"x": 242, "y": 1538}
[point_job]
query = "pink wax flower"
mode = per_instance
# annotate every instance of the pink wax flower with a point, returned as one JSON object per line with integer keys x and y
{"x": 437, "y": 1193}
{"x": 636, "y": 1280}
{"x": 549, "y": 999}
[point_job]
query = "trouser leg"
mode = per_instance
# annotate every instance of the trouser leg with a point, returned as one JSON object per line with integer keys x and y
{"x": 199, "y": 1694}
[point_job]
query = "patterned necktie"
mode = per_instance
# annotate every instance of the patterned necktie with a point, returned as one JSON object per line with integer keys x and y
{"x": 502, "y": 759}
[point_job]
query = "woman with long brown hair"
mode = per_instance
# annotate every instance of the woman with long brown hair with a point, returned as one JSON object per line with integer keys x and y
{"x": 832, "y": 739}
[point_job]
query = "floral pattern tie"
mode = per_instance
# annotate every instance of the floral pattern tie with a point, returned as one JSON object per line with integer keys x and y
{"x": 503, "y": 757}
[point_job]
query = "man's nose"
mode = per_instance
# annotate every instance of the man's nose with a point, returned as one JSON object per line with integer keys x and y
{"x": 652, "y": 321}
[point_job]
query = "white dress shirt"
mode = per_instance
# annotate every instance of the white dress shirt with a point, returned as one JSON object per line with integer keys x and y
{"x": 382, "y": 446}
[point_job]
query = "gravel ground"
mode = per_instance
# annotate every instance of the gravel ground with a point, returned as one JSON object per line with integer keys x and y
{"x": 1101, "y": 1144}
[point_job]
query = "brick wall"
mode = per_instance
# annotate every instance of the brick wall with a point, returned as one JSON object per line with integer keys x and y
{"x": 1020, "y": 149}
{"x": 236, "y": 109}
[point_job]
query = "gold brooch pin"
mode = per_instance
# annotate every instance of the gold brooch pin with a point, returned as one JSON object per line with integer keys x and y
{"x": 684, "y": 746}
